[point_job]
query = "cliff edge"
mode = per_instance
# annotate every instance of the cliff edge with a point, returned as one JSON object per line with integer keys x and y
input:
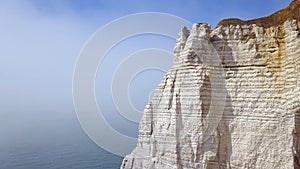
{"x": 231, "y": 99}
{"x": 291, "y": 12}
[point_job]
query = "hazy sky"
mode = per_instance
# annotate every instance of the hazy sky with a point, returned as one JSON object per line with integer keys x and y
{"x": 40, "y": 41}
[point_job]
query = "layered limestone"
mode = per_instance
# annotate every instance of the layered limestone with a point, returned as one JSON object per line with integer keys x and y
{"x": 231, "y": 99}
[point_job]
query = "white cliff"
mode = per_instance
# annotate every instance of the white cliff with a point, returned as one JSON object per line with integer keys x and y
{"x": 231, "y": 100}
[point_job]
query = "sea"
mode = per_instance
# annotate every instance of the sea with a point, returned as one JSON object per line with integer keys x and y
{"x": 57, "y": 143}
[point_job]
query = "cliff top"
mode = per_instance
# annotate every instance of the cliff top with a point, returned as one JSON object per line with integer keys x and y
{"x": 276, "y": 19}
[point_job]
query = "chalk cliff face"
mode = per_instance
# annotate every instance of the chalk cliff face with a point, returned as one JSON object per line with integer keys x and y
{"x": 231, "y": 100}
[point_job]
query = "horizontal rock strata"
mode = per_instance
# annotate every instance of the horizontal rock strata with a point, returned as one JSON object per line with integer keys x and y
{"x": 231, "y": 100}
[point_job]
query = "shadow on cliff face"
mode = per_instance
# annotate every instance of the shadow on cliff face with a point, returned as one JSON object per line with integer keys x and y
{"x": 225, "y": 53}
{"x": 218, "y": 148}
{"x": 220, "y": 142}
{"x": 296, "y": 140}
